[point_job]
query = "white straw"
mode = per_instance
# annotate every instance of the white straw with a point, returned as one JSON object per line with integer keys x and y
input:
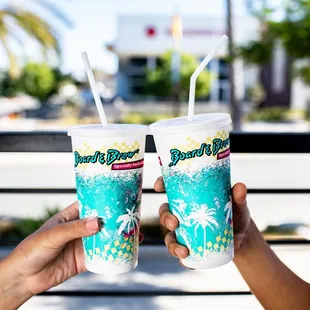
{"x": 93, "y": 87}
{"x": 204, "y": 63}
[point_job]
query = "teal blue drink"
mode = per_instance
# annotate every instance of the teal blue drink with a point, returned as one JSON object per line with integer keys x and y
{"x": 195, "y": 163}
{"x": 109, "y": 168}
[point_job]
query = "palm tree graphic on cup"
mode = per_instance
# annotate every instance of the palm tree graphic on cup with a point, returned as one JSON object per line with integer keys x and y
{"x": 228, "y": 208}
{"x": 130, "y": 219}
{"x": 203, "y": 217}
{"x": 103, "y": 233}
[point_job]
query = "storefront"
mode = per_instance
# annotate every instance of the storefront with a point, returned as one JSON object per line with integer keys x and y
{"x": 141, "y": 40}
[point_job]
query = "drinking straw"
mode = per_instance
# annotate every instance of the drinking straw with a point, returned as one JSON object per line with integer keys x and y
{"x": 204, "y": 63}
{"x": 92, "y": 84}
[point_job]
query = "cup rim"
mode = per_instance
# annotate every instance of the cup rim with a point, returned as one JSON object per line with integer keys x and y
{"x": 181, "y": 125}
{"x": 111, "y": 130}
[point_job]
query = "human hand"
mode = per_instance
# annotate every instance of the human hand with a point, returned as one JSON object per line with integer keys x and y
{"x": 45, "y": 259}
{"x": 241, "y": 219}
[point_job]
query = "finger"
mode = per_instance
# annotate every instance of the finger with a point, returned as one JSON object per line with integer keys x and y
{"x": 59, "y": 235}
{"x": 239, "y": 194}
{"x": 79, "y": 256}
{"x": 159, "y": 185}
{"x": 166, "y": 218}
{"x": 141, "y": 238}
{"x": 175, "y": 249}
{"x": 69, "y": 214}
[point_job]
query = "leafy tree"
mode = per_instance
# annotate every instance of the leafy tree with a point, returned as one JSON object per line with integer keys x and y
{"x": 160, "y": 83}
{"x": 38, "y": 80}
{"x": 9, "y": 87}
{"x": 293, "y": 31}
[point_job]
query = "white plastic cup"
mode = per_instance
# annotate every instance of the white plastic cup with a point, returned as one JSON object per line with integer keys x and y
{"x": 195, "y": 162}
{"x": 108, "y": 168}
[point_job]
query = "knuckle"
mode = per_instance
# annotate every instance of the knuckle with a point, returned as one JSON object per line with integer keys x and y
{"x": 163, "y": 208}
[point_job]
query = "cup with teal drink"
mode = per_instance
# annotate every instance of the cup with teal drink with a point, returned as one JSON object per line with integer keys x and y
{"x": 108, "y": 163}
{"x": 195, "y": 163}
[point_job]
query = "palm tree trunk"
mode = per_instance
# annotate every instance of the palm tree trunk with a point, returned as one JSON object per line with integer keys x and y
{"x": 204, "y": 241}
{"x": 234, "y": 104}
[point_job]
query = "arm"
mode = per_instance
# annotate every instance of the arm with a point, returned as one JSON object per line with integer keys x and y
{"x": 273, "y": 284}
{"x": 45, "y": 259}
{"x": 13, "y": 291}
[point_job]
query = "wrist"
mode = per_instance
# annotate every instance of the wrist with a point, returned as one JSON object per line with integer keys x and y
{"x": 252, "y": 239}
{"x": 13, "y": 289}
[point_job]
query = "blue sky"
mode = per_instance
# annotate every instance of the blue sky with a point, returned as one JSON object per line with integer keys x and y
{"x": 95, "y": 24}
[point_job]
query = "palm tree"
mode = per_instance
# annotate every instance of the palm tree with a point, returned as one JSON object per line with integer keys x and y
{"x": 203, "y": 217}
{"x": 228, "y": 208}
{"x": 130, "y": 219}
{"x": 14, "y": 19}
{"x": 103, "y": 233}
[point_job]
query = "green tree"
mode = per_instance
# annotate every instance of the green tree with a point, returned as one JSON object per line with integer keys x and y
{"x": 38, "y": 80}
{"x": 159, "y": 82}
{"x": 259, "y": 52}
{"x": 293, "y": 31}
{"x": 31, "y": 24}
{"x": 9, "y": 87}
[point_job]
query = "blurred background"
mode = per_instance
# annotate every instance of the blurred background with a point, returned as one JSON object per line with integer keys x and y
{"x": 143, "y": 55}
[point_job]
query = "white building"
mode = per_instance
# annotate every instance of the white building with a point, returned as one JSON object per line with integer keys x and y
{"x": 142, "y": 39}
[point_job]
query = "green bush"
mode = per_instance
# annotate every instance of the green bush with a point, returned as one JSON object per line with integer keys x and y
{"x": 268, "y": 115}
{"x": 25, "y": 227}
{"x": 38, "y": 80}
{"x": 159, "y": 82}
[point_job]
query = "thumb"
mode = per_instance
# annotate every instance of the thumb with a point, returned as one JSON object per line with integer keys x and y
{"x": 61, "y": 234}
{"x": 239, "y": 194}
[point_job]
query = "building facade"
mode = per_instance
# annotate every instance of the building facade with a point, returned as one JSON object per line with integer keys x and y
{"x": 142, "y": 39}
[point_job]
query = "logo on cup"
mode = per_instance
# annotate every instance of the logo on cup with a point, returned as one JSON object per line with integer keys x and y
{"x": 108, "y": 158}
{"x": 211, "y": 149}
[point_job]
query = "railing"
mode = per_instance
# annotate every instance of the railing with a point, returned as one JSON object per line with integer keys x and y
{"x": 241, "y": 143}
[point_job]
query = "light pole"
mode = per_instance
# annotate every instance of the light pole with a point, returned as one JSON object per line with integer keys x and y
{"x": 177, "y": 32}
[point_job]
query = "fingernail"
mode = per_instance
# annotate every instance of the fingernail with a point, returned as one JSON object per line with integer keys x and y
{"x": 169, "y": 223}
{"x": 92, "y": 224}
{"x": 178, "y": 252}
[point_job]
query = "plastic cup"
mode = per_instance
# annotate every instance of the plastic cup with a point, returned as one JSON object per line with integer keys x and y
{"x": 108, "y": 168}
{"x": 195, "y": 162}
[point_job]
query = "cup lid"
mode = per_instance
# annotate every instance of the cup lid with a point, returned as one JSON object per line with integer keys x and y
{"x": 182, "y": 125}
{"x": 111, "y": 130}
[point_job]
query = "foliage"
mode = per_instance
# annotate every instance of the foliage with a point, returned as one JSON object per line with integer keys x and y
{"x": 304, "y": 74}
{"x": 268, "y": 115}
{"x": 257, "y": 94}
{"x": 25, "y": 227}
{"x": 142, "y": 118}
{"x": 256, "y": 52}
{"x": 9, "y": 87}
{"x": 160, "y": 81}
{"x": 33, "y": 26}
{"x": 293, "y": 31}
{"x": 38, "y": 80}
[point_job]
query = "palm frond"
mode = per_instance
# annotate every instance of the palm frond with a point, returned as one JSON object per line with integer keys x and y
{"x": 56, "y": 12}
{"x": 4, "y": 32}
{"x": 35, "y": 27}
{"x": 122, "y": 218}
{"x": 212, "y": 221}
